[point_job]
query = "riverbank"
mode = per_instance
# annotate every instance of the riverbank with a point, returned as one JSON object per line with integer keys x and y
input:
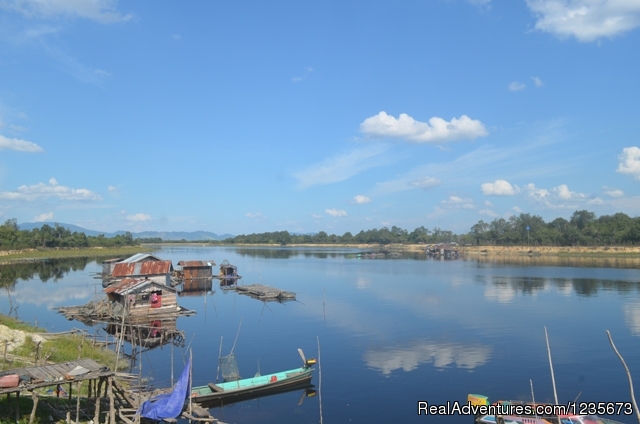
{"x": 576, "y": 251}
{"x": 26, "y": 255}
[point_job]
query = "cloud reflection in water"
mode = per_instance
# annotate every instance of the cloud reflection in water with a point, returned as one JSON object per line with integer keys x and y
{"x": 441, "y": 355}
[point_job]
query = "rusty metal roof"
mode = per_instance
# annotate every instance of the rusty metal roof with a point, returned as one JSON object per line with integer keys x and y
{"x": 123, "y": 269}
{"x": 131, "y": 284}
{"x": 191, "y": 264}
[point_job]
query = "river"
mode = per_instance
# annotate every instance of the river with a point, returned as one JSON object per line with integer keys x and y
{"x": 392, "y": 331}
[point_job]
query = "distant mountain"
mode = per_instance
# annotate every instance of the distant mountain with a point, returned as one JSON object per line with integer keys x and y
{"x": 164, "y": 235}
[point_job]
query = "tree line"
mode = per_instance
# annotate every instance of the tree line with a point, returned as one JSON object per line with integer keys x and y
{"x": 582, "y": 229}
{"x": 11, "y": 237}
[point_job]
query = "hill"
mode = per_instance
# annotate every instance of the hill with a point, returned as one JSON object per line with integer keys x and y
{"x": 164, "y": 235}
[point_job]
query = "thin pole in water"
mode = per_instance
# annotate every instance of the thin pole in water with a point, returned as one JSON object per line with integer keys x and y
{"x": 319, "y": 379}
{"x": 553, "y": 378}
{"x": 633, "y": 398}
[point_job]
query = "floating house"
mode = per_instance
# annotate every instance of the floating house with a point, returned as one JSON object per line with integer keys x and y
{"x": 196, "y": 270}
{"x": 143, "y": 298}
{"x": 158, "y": 271}
{"x": 443, "y": 251}
{"x": 107, "y": 266}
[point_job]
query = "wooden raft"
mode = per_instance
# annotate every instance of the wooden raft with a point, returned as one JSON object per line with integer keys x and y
{"x": 262, "y": 292}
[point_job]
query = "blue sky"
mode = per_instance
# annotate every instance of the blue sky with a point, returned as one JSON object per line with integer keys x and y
{"x": 251, "y": 116}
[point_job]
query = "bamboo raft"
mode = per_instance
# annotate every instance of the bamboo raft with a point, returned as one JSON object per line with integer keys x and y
{"x": 262, "y": 292}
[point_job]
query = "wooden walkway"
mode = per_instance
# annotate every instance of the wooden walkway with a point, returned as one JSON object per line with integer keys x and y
{"x": 48, "y": 375}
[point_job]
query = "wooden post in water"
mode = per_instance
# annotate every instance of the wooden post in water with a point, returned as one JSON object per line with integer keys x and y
{"x": 112, "y": 407}
{"x": 96, "y": 416}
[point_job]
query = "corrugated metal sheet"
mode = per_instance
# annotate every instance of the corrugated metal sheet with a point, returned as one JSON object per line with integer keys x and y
{"x": 193, "y": 264}
{"x": 138, "y": 257}
{"x": 123, "y": 269}
{"x": 129, "y": 285}
{"x": 126, "y": 285}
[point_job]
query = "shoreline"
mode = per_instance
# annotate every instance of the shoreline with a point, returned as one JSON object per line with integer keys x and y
{"x": 29, "y": 255}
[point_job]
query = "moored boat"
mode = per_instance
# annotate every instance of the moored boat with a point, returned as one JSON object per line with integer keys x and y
{"x": 229, "y": 392}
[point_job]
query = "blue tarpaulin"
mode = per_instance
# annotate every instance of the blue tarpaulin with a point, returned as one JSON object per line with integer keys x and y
{"x": 169, "y": 405}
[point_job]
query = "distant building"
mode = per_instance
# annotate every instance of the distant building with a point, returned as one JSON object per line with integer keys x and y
{"x": 196, "y": 270}
{"x": 143, "y": 298}
{"x": 155, "y": 270}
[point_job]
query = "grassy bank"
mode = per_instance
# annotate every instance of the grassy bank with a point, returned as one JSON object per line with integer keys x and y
{"x": 562, "y": 251}
{"x": 12, "y": 256}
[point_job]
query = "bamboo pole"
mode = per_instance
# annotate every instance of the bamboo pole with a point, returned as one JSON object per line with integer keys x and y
{"x": 96, "y": 415}
{"x": 319, "y": 379}
{"x": 626, "y": 368}
{"x": 78, "y": 386}
{"x": 553, "y": 378}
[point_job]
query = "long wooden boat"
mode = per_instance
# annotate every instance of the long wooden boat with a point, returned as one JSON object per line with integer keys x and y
{"x": 229, "y": 392}
{"x": 536, "y": 413}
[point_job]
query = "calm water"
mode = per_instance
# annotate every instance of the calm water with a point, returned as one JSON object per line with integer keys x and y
{"x": 392, "y": 331}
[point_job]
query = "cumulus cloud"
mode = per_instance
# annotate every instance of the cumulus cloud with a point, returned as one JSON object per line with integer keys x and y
{"x": 335, "y": 212}
{"x": 537, "y": 81}
{"x": 612, "y": 192}
{"x": 630, "y": 162}
{"x": 44, "y": 217}
{"x": 361, "y": 200}
{"x": 53, "y": 189}
{"x": 112, "y": 189}
{"x": 586, "y": 20}
{"x": 103, "y": 11}
{"x": 560, "y": 197}
{"x": 499, "y": 188}
{"x": 426, "y": 183}
{"x": 437, "y": 130}
{"x": 19, "y": 145}
{"x": 342, "y": 167}
{"x": 139, "y": 217}
{"x": 516, "y": 86}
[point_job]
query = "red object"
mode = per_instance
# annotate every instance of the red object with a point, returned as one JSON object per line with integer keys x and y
{"x": 156, "y": 300}
{"x": 9, "y": 381}
{"x": 273, "y": 379}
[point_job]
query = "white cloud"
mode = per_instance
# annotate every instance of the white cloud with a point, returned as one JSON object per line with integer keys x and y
{"x": 537, "y": 81}
{"x": 112, "y": 189}
{"x": 340, "y": 168}
{"x": 564, "y": 193}
{"x": 335, "y": 212}
{"x": 488, "y": 212}
{"x": 43, "y": 191}
{"x": 437, "y": 130}
{"x": 586, "y": 20}
{"x": 103, "y": 11}
{"x": 458, "y": 202}
{"x": 516, "y": 86}
{"x": 488, "y": 203}
{"x": 44, "y": 217}
{"x": 612, "y": 192}
{"x": 19, "y": 145}
{"x": 316, "y": 216}
{"x": 595, "y": 201}
{"x": 139, "y": 217}
{"x": 536, "y": 193}
{"x": 361, "y": 200}
{"x": 257, "y": 215}
{"x": 426, "y": 183}
{"x": 630, "y": 162}
{"x": 499, "y": 188}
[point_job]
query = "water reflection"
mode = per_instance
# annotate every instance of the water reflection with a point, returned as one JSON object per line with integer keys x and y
{"x": 387, "y": 360}
{"x": 632, "y": 317}
{"x": 45, "y": 270}
{"x": 326, "y": 252}
{"x": 572, "y": 261}
{"x": 504, "y": 289}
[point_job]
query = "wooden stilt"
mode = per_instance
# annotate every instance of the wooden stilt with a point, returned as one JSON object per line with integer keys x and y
{"x": 78, "y": 386}
{"x": 17, "y": 406}
{"x": 112, "y": 408}
{"x": 96, "y": 416}
{"x": 34, "y": 396}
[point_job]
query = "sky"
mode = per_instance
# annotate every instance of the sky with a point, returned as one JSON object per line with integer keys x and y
{"x": 251, "y": 116}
